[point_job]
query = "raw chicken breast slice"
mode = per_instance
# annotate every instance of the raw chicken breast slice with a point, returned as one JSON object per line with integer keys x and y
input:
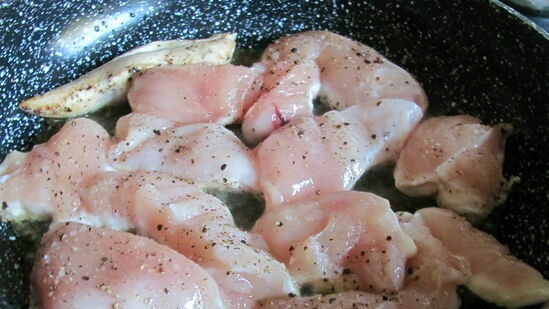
{"x": 434, "y": 141}
{"x": 80, "y": 266}
{"x": 295, "y": 163}
{"x": 496, "y": 275}
{"x": 192, "y": 93}
{"x": 288, "y": 91}
{"x": 207, "y": 153}
{"x": 432, "y": 277}
{"x": 339, "y": 241}
{"x": 341, "y": 71}
{"x": 177, "y": 213}
{"x": 54, "y": 170}
{"x": 457, "y": 158}
{"x": 329, "y": 153}
{"x": 434, "y": 273}
{"x": 350, "y": 72}
{"x": 383, "y": 127}
{"x": 138, "y": 128}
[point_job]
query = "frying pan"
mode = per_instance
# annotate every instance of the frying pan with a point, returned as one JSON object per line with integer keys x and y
{"x": 472, "y": 56}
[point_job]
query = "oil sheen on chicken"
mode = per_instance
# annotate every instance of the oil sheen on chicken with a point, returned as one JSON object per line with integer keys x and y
{"x": 80, "y": 266}
{"x": 459, "y": 160}
{"x": 339, "y": 241}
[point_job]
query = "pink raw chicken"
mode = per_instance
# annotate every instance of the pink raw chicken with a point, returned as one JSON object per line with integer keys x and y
{"x": 496, "y": 275}
{"x": 329, "y": 153}
{"x": 193, "y": 93}
{"x": 178, "y": 214}
{"x": 288, "y": 91}
{"x": 79, "y": 266}
{"x": 54, "y": 170}
{"x": 350, "y": 72}
{"x": 208, "y": 153}
{"x": 341, "y": 71}
{"x": 339, "y": 241}
{"x": 432, "y": 277}
{"x": 457, "y": 158}
{"x": 434, "y": 273}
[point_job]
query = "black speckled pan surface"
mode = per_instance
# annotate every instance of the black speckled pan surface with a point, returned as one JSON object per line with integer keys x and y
{"x": 472, "y": 56}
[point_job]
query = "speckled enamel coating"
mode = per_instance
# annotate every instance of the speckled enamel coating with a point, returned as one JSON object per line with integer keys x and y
{"x": 471, "y": 56}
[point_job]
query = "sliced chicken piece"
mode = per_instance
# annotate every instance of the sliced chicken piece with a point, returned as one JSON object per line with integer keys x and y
{"x": 177, "y": 213}
{"x": 43, "y": 182}
{"x": 108, "y": 84}
{"x": 137, "y": 128}
{"x": 384, "y": 127}
{"x": 341, "y": 71}
{"x": 288, "y": 91}
{"x": 80, "y": 266}
{"x": 339, "y": 241}
{"x": 207, "y": 153}
{"x": 329, "y": 153}
{"x": 295, "y": 163}
{"x": 434, "y": 273}
{"x": 434, "y": 142}
{"x": 496, "y": 275}
{"x": 432, "y": 277}
{"x": 192, "y": 93}
{"x": 350, "y": 72}
{"x": 458, "y": 159}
